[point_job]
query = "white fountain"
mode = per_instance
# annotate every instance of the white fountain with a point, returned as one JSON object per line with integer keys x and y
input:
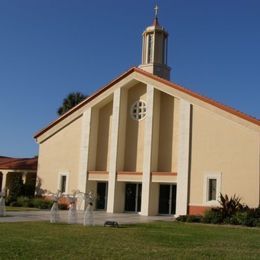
{"x": 72, "y": 214}
{"x": 54, "y": 213}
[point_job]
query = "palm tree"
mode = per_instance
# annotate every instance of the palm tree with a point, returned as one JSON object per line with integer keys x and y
{"x": 70, "y": 101}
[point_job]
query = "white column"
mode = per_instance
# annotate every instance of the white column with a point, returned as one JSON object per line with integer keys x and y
{"x": 84, "y": 150}
{"x": 24, "y": 177}
{"x": 183, "y": 158}
{"x": 113, "y": 151}
{"x": 148, "y": 135}
{"x": 4, "y": 177}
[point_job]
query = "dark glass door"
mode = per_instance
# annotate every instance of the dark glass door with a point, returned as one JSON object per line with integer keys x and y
{"x": 173, "y": 199}
{"x": 101, "y": 195}
{"x": 164, "y": 199}
{"x": 133, "y": 192}
{"x": 167, "y": 199}
{"x": 139, "y": 197}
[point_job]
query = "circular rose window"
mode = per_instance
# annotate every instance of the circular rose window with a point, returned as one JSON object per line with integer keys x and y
{"x": 138, "y": 110}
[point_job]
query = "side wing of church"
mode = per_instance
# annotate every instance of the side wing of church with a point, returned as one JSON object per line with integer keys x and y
{"x": 144, "y": 144}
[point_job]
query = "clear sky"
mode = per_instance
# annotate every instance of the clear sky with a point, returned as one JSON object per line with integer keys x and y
{"x": 49, "y": 48}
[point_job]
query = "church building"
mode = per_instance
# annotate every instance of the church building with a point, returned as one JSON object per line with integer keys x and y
{"x": 147, "y": 145}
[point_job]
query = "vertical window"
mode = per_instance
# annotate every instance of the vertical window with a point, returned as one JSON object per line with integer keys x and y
{"x": 63, "y": 181}
{"x": 212, "y": 189}
{"x": 150, "y": 48}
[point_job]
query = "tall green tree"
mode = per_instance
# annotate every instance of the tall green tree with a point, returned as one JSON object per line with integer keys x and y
{"x": 70, "y": 101}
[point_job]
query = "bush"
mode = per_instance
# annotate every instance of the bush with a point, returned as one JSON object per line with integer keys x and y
{"x": 28, "y": 190}
{"x": 41, "y": 203}
{"x": 182, "y": 218}
{"x": 190, "y": 218}
{"x": 229, "y": 206}
{"x": 213, "y": 216}
{"x": 194, "y": 218}
{"x": 23, "y": 202}
{"x": 16, "y": 188}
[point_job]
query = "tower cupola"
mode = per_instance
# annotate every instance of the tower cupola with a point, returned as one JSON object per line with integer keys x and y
{"x": 155, "y": 48}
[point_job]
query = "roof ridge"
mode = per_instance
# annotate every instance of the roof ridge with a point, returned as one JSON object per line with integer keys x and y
{"x": 200, "y": 96}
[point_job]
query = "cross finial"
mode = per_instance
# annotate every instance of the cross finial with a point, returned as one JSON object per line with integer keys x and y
{"x": 156, "y": 9}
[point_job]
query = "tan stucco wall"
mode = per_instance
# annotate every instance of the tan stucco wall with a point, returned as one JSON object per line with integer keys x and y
{"x": 154, "y": 199}
{"x": 223, "y": 146}
{"x": 104, "y": 134}
{"x": 120, "y": 197}
{"x": 60, "y": 154}
{"x": 167, "y": 160}
{"x": 134, "y": 132}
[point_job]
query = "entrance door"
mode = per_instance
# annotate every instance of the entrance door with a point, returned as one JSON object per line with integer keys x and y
{"x": 101, "y": 195}
{"x": 167, "y": 199}
{"x": 133, "y": 192}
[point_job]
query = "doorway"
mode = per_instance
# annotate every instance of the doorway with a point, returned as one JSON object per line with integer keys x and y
{"x": 101, "y": 202}
{"x": 167, "y": 199}
{"x": 133, "y": 194}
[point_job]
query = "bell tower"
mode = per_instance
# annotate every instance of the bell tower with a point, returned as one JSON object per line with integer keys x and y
{"x": 155, "y": 48}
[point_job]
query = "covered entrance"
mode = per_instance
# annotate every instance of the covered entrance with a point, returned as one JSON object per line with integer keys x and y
{"x": 133, "y": 193}
{"x": 101, "y": 202}
{"x": 167, "y": 199}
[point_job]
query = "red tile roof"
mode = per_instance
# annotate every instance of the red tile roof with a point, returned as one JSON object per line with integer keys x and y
{"x": 18, "y": 163}
{"x": 164, "y": 81}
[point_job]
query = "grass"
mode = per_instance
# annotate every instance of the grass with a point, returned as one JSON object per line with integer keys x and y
{"x": 159, "y": 240}
{"x": 20, "y": 209}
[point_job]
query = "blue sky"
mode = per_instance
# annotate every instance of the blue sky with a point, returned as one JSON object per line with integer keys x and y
{"x": 49, "y": 48}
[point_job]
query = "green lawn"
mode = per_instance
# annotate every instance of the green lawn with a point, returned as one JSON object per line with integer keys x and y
{"x": 20, "y": 209}
{"x": 159, "y": 240}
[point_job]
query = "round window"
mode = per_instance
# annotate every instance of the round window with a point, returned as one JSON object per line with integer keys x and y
{"x": 138, "y": 110}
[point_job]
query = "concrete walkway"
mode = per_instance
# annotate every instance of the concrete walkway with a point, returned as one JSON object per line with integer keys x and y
{"x": 99, "y": 217}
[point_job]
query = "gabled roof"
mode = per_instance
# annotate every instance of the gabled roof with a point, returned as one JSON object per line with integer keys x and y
{"x": 161, "y": 80}
{"x": 18, "y": 163}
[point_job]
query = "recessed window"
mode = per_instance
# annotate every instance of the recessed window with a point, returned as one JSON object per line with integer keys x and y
{"x": 138, "y": 110}
{"x": 150, "y": 48}
{"x": 212, "y": 189}
{"x": 63, "y": 183}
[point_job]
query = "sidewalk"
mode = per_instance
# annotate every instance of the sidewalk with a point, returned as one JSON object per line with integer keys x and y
{"x": 99, "y": 217}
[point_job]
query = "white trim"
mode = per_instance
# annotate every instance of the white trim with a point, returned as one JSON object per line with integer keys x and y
{"x": 113, "y": 151}
{"x": 147, "y": 159}
{"x": 207, "y": 177}
{"x": 84, "y": 150}
{"x": 60, "y": 174}
{"x": 183, "y": 158}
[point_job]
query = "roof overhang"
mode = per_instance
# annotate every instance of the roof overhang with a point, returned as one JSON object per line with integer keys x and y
{"x": 133, "y": 76}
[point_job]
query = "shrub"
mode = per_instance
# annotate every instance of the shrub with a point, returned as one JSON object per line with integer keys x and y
{"x": 23, "y": 202}
{"x": 194, "y": 218}
{"x": 28, "y": 189}
{"x": 16, "y": 188}
{"x": 41, "y": 203}
{"x": 229, "y": 206}
{"x": 190, "y": 218}
{"x": 213, "y": 216}
{"x": 182, "y": 218}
